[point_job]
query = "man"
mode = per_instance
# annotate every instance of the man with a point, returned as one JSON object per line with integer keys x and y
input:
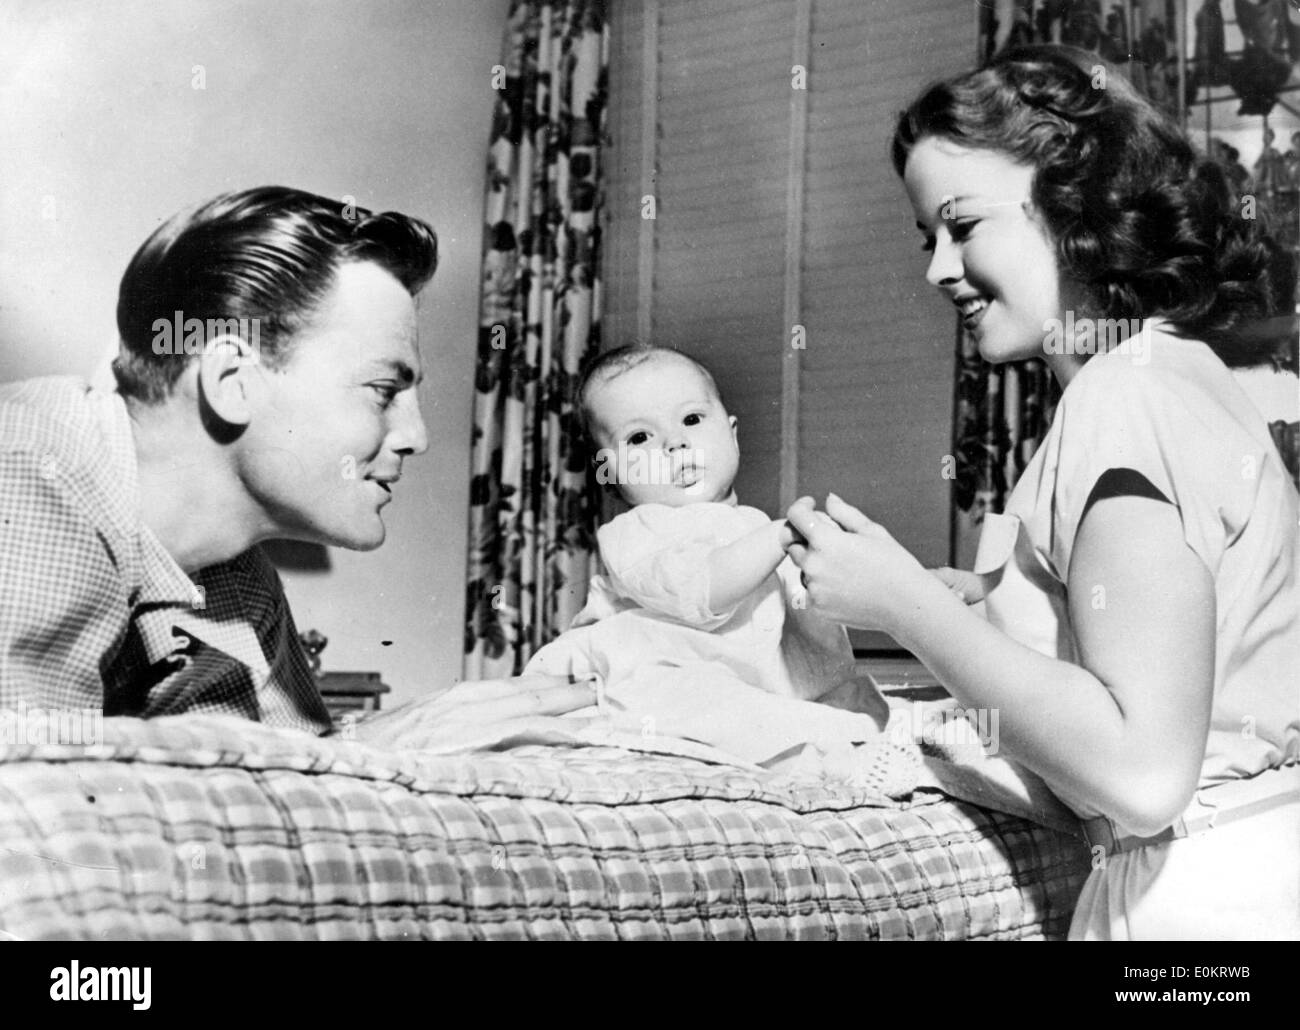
{"x": 266, "y": 389}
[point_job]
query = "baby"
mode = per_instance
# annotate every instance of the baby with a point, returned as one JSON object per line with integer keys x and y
{"x": 699, "y": 626}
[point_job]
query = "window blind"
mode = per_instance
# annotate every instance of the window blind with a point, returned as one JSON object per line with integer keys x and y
{"x": 776, "y": 208}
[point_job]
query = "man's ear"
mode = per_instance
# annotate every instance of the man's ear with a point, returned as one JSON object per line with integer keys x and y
{"x": 225, "y": 369}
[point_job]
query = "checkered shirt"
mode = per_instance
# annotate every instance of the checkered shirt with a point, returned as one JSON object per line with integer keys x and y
{"x": 95, "y": 613}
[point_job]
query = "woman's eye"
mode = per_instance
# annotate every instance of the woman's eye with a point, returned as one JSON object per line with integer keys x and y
{"x": 637, "y": 439}
{"x": 692, "y": 420}
{"x": 961, "y": 230}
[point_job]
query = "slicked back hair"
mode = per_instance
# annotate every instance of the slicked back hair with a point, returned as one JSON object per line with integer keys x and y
{"x": 268, "y": 253}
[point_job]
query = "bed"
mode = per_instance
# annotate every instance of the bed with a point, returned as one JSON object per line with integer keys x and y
{"x": 209, "y": 827}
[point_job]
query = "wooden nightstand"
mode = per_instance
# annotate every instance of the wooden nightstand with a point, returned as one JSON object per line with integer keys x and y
{"x": 351, "y": 692}
{"x": 900, "y": 674}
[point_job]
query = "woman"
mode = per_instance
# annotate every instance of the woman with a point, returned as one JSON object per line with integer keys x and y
{"x": 1143, "y": 613}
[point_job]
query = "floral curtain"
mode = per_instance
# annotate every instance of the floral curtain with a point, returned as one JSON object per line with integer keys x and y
{"x": 1002, "y": 413}
{"x": 532, "y": 517}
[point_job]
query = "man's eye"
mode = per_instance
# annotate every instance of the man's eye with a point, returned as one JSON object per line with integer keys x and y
{"x": 692, "y": 419}
{"x": 637, "y": 439}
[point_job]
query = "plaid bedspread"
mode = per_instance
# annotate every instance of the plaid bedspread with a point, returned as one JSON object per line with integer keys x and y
{"x": 212, "y": 827}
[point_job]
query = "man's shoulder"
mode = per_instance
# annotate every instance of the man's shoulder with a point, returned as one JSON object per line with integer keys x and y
{"x": 65, "y": 444}
{"x": 60, "y": 415}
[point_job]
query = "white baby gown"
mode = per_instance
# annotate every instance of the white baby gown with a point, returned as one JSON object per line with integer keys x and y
{"x": 737, "y": 679}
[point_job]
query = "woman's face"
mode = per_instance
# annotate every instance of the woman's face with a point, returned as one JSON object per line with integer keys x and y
{"x": 992, "y": 255}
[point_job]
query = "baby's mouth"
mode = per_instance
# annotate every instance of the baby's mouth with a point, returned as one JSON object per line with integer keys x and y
{"x": 688, "y": 476}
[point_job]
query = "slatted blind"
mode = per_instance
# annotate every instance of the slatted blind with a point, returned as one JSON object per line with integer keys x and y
{"x": 776, "y": 208}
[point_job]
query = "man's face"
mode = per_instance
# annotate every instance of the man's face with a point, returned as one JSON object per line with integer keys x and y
{"x": 329, "y": 429}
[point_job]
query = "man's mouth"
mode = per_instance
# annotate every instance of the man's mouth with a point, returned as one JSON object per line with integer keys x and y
{"x": 385, "y": 483}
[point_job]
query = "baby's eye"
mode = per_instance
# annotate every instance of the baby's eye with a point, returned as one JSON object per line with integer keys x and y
{"x": 928, "y": 245}
{"x": 692, "y": 419}
{"x": 638, "y": 438}
{"x": 387, "y": 393}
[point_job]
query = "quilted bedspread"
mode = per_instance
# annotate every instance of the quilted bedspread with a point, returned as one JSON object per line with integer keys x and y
{"x": 211, "y": 827}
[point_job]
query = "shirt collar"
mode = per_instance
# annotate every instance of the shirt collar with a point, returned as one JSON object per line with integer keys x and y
{"x": 162, "y": 581}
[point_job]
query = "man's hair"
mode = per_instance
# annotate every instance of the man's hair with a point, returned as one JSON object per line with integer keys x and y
{"x": 1145, "y": 225}
{"x": 268, "y": 253}
{"x": 613, "y": 363}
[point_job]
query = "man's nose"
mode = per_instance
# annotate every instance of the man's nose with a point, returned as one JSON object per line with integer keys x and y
{"x": 408, "y": 435}
{"x": 945, "y": 263}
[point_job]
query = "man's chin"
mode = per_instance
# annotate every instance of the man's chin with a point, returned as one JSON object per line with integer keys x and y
{"x": 365, "y": 542}
{"x": 351, "y": 538}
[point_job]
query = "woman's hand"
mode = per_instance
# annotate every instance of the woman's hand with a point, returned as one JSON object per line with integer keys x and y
{"x": 966, "y": 585}
{"x": 854, "y": 571}
{"x": 474, "y": 707}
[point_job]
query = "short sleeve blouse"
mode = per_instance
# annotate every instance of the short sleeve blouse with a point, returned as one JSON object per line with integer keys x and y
{"x": 1172, "y": 412}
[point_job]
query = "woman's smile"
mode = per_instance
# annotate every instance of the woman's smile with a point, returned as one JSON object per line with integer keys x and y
{"x": 990, "y": 254}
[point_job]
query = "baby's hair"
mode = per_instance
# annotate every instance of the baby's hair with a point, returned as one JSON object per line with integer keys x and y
{"x": 1146, "y": 226}
{"x": 612, "y": 363}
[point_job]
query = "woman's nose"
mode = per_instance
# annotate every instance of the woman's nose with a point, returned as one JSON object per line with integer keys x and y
{"x": 945, "y": 263}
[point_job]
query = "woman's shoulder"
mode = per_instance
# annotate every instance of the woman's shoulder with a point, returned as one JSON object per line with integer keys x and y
{"x": 1163, "y": 381}
{"x": 1173, "y": 414}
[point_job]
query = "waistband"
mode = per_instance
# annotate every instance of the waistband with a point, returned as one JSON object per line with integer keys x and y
{"x": 1212, "y": 806}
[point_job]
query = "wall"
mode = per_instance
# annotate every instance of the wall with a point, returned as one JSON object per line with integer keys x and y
{"x": 103, "y": 135}
{"x": 779, "y": 219}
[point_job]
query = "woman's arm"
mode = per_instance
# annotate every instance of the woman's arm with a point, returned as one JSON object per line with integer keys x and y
{"x": 1126, "y": 730}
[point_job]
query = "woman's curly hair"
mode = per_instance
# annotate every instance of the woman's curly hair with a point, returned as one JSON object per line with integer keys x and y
{"x": 1142, "y": 222}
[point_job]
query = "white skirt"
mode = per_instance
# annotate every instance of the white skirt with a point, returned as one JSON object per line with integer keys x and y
{"x": 1236, "y": 882}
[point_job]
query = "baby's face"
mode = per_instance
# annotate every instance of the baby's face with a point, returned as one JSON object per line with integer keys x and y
{"x": 663, "y": 434}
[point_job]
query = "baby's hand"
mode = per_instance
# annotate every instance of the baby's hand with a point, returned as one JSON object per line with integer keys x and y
{"x": 786, "y": 535}
{"x": 966, "y": 585}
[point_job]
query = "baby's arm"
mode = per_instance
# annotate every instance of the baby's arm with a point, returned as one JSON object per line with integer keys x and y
{"x": 739, "y": 568}
{"x": 691, "y": 566}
